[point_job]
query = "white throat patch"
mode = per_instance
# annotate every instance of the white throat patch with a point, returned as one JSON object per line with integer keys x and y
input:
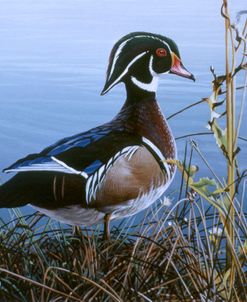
{"x": 153, "y": 85}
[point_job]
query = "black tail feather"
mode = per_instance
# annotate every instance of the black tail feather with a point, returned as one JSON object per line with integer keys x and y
{"x": 44, "y": 189}
{"x": 11, "y": 194}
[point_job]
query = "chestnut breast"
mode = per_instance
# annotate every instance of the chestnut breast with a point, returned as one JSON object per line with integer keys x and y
{"x": 129, "y": 178}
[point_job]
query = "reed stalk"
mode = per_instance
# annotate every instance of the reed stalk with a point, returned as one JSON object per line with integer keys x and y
{"x": 230, "y": 130}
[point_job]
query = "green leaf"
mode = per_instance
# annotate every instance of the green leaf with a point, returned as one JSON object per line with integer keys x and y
{"x": 213, "y": 103}
{"x": 203, "y": 185}
{"x": 220, "y": 136}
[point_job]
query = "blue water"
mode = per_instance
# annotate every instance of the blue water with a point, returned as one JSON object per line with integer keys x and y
{"x": 53, "y": 59}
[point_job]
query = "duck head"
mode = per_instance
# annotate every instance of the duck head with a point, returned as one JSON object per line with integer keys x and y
{"x": 139, "y": 59}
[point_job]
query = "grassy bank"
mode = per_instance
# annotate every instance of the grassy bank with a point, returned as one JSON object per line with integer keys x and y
{"x": 171, "y": 256}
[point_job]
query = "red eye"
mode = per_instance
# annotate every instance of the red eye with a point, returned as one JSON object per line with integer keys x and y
{"x": 161, "y": 52}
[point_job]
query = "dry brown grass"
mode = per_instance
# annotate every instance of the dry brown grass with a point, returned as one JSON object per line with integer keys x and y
{"x": 169, "y": 256}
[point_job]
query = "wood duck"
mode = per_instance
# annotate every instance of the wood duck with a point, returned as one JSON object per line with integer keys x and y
{"x": 114, "y": 170}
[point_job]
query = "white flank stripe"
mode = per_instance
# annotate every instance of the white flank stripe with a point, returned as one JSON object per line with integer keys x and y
{"x": 48, "y": 166}
{"x": 88, "y": 185}
{"x": 109, "y": 163}
{"x": 101, "y": 170}
{"x": 69, "y": 168}
{"x": 131, "y": 152}
{"x": 126, "y": 70}
{"x": 95, "y": 180}
{"x": 93, "y": 185}
{"x": 39, "y": 168}
{"x": 159, "y": 154}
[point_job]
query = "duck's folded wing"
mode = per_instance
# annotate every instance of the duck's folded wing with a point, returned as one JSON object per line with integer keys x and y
{"x": 87, "y": 155}
{"x": 81, "y": 154}
{"x": 43, "y": 160}
{"x": 90, "y": 155}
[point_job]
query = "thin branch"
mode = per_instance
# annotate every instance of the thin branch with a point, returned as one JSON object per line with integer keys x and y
{"x": 193, "y": 134}
{"x": 186, "y": 108}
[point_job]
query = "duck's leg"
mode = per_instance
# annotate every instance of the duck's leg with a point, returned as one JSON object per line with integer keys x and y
{"x": 107, "y": 219}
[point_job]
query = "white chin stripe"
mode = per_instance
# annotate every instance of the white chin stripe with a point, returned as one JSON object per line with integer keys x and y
{"x": 152, "y": 72}
{"x": 151, "y": 87}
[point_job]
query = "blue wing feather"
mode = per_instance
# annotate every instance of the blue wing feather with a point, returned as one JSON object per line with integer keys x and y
{"x": 43, "y": 160}
{"x": 93, "y": 167}
{"x": 81, "y": 140}
{"x": 84, "y": 153}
